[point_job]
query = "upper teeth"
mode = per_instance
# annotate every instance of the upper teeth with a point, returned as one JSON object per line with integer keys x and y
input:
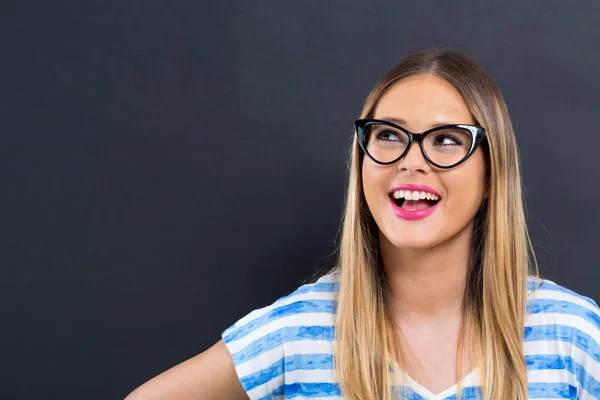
{"x": 414, "y": 195}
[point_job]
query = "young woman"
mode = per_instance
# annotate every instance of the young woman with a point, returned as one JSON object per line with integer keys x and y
{"x": 435, "y": 294}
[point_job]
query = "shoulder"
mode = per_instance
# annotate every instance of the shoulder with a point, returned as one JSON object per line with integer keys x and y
{"x": 561, "y": 310}
{"x": 562, "y": 305}
{"x": 294, "y": 309}
{"x": 562, "y": 336}
{"x": 265, "y": 343}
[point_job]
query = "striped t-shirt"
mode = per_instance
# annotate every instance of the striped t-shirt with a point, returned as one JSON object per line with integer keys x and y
{"x": 284, "y": 350}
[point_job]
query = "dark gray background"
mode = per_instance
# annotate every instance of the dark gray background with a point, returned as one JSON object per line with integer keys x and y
{"x": 170, "y": 166}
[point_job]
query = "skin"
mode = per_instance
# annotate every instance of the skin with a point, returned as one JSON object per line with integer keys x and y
{"x": 208, "y": 376}
{"x": 426, "y": 261}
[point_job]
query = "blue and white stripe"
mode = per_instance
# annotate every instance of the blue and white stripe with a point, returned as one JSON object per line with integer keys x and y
{"x": 284, "y": 350}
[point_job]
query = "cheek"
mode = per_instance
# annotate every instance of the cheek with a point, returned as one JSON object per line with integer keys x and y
{"x": 372, "y": 180}
{"x": 467, "y": 187}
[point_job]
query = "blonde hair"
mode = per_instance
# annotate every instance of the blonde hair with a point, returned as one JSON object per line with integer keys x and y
{"x": 366, "y": 343}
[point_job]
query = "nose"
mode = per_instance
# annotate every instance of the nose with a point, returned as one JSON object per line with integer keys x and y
{"x": 414, "y": 161}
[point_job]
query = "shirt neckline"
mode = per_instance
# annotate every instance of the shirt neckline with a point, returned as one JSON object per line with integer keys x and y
{"x": 468, "y": 380}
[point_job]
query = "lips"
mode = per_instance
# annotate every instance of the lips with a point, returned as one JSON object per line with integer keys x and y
{"x": 413, "y": 202}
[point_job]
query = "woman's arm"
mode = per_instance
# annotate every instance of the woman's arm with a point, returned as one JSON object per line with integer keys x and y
{"x": 208, "y": 376}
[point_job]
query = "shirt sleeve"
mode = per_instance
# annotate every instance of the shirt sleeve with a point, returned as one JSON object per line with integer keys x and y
{"x": 585, "y": 352}
{"x": 256, "y": 346}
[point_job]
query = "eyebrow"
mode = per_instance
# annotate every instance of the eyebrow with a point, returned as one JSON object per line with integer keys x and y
{"x": 401, "y": 122}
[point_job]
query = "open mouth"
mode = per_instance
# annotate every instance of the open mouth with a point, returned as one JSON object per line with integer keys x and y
{"x": 411, "y": 200}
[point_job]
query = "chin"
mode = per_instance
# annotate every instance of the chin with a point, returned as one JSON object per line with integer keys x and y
{"x": 421, "y": 243}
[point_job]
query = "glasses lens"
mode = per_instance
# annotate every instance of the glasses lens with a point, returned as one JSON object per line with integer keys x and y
{"x": 448, "y": 146}
{"x": 385, "y": 143}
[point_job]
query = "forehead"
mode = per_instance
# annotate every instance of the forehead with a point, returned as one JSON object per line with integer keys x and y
{"x": 423, "y": 100}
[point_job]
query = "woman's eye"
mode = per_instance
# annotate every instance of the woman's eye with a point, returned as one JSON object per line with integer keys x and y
{"x": 447, "y": 140}
{"x": 387, "y": 136}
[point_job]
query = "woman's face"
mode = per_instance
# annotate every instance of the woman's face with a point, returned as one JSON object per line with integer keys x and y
{"x": 422, "y": 102}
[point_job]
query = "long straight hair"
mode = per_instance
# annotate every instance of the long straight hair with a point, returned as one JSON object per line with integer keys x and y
{"x": 366, "y": 341}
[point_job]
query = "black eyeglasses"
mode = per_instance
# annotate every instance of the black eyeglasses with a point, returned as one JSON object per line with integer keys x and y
{"x": 443, "y": 146}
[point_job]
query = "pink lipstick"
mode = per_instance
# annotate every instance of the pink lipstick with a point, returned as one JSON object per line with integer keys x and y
{"x": 421, "y": 210}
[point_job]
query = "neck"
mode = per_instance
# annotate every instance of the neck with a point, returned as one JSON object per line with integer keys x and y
{"x": 428, "y": 283}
